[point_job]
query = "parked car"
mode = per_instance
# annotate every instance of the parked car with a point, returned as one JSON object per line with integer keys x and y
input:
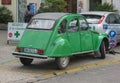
{"x": 59, "y": 36}
{"x": 104, "y": 22}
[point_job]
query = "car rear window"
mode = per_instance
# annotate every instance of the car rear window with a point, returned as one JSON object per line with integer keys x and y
{"x": 92, "y": 19}
{"x": 41, "y": 24}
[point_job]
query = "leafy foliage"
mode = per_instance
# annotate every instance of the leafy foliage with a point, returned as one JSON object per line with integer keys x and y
{"x": 5, "y": 15}
{"x": 105, "y": 7}
{"x": 53, "y": 6}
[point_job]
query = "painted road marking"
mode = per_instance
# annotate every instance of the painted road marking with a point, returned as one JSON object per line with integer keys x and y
{"x": 83, "y": 67}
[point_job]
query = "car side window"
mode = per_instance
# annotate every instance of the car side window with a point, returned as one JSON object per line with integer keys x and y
{"x": 117, "y": 19}
{"x": 73, "y": 26}
{"x": 83, "y": 24}
{"x": 62, "y": 28}
{"x": 112, "y": 19}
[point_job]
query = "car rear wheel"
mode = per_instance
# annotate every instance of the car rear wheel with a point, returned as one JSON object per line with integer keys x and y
{"x": 101, "y": 53}
{"x": 62, "y": 62}
{"x": 26, "y": 61}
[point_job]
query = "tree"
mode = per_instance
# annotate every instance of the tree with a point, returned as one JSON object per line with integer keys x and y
{"x": 5, "y": 15}
{"x": 105, "y": 7}
{"x": 53, "y": 6}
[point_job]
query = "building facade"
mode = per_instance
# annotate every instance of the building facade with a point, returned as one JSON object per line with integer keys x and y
{"x": 116, "y": 4}
{"x": 74, "y": 6}
{"x": 18, "y": 7}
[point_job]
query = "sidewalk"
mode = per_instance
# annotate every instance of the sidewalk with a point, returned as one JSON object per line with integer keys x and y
{"x": 3, "y": 26}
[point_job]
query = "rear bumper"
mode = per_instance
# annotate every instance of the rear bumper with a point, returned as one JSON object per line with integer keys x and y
{"x": 25, "y": 55}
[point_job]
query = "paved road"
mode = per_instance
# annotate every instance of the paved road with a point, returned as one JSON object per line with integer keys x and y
{"x": 12, "y": 71}
{"x": 104, "y": 74}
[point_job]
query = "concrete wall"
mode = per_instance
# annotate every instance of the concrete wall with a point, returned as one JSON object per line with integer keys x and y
{"x": 116, "y": 4}
{"x": 13, "y": 7}
{"x": 86, "y": 5}
{"x": 82, "y": 5}
{"x": 108, "y": 1}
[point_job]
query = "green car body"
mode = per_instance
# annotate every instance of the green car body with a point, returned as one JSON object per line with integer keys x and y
{"x": 58, "y": 35}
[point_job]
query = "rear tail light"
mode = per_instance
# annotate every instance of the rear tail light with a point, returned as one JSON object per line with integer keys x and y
{"x": 19, "y": 49}
{"x": 41, "y": 52}
{"x": 100, "y": 21}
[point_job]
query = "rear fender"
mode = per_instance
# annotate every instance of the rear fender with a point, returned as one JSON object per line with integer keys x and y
{"x": 59, "y": 48}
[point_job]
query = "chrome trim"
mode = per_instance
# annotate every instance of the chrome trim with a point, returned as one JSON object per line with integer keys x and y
{"x": 25, "y": 55}
{"x": 84, "y": 52}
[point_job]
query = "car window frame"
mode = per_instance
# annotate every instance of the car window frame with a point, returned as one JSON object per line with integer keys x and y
{"x": 51, "y": 29}
{"x": 83, "y": 29}
{"x": 92, "y": 16}
{"x": 73, "y": 30}
{"x": 108, "y": 19}
{"x": 118, "y": 18}
{"x": 62, "y": 28}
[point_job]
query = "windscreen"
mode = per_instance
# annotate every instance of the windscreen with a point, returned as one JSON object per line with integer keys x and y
{"x": 92, "y": 19}
{"x": 41, "y": 24}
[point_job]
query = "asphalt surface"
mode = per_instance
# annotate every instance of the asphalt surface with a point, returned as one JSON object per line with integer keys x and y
{"x": 102, "y": 74}
{"x": 82, "y": 69}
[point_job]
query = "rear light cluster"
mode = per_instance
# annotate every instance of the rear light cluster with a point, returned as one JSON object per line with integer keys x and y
{"x": 101, "y": 20}
{"x": 19, "y": 49}
{"x": 39, "y": 51}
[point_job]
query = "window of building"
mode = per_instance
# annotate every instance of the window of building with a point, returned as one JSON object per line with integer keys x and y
{"x": 6, "y": 2}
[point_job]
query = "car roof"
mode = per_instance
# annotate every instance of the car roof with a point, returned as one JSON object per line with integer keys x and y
{"x": 97, "y": 12}
{"x": 52, "y": 15}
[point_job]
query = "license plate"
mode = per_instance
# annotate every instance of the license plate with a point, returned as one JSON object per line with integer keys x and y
{"x": 30, "y": 50}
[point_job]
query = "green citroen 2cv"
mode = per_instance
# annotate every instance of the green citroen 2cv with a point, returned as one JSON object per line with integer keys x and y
{"x": 59, "y": 36}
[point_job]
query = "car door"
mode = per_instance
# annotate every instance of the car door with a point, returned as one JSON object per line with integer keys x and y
{"x": 113, "y": 21}
{"x": 73, "y": 34}
{"x": 86, "y": 41}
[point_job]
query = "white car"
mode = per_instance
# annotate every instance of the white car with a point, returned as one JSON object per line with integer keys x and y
{"x": 108, "y": 22}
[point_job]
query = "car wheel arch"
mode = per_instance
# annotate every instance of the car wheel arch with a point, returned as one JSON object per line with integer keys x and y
{"x": 106, "y": 42}
{"x": 60, "y": 47}
{"x": 100, "y": 40}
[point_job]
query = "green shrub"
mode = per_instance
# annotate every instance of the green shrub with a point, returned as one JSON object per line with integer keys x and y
{"x": 5, "y": 15}
{"x": 53, "y": 6}
{"x": 105, "y": 7}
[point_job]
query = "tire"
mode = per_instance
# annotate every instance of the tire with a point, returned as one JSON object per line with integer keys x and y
{"x": 101, "y": 53}
{"x": 26, "y": 61}
{"x": 62, "y": 62}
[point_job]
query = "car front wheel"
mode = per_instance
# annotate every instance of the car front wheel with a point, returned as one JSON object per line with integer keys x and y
{"x": 62, "y": 62}
{"x": 26, "y": 61}
{"x": 101, "y": 53}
